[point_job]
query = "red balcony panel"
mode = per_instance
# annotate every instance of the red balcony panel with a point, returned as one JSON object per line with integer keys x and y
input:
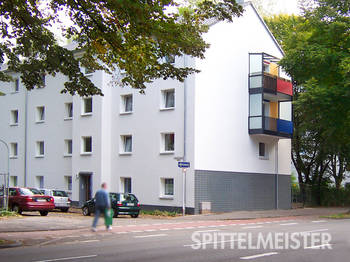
{"x": 284, "y": 86}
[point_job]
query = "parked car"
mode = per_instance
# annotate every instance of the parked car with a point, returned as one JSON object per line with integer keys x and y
{"x": 29, "y": 199}
{"x": 122, "y": 204}
{"x": 61, "y": 198}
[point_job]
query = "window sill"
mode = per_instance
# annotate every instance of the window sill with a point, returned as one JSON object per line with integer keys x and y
{"x": 86, "y": 154}
{"x": 126, "y": 113}
{"x": 86, "y": 114}
{"x": 166, "y": 197}
{"x": 13, "y": 157}
{"x": 167, "y": 109}
{"x": 68, "y": 118}
{"x": 67, "y": 155}
{"x": 39, "y": 156}
{"x": 40, "y": 122}
{"x": 14, "y": 124}
{"x": 125, "y": 153}
{"x": 167, "y": 153}
{"x": 263, "y": 158}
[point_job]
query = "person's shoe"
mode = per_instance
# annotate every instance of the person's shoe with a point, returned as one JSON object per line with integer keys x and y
{"x": 93, "y": 229}
{"x": 109, "y": 228}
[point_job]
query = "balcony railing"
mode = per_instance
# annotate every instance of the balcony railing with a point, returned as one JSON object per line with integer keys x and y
{"x": 272, "y": 84}
{"x": 270, "y": 126}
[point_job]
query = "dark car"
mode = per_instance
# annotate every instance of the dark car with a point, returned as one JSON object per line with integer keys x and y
{"x": 122, "y": 204}
{"x": 29, "y": 199}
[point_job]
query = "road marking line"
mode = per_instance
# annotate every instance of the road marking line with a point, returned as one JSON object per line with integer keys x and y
{"x": 267, "y": 222}
{"x": 158, "y": 235}
{"x": 207, "y": 243}
{"x": 89, "y": 241}
{"x": 178, "y": 228}
{"x": 121, "y": 233}
{"x": 317, "y": 247}
{"x": 259, "y": 255}
{"x": 313, "y": 231}
{"x": 136, "y": 231}
{"x": 189, "y": 227}
{"x": 222, "y": 225}
{"x": 164, "y": 229}
{"x": 204, "y": 231}
{"x": 66, "y": 258}
{"x": 288, "y": 224}
{"x": 201, "y": 226}
{"x": 252, "y": 227}
{"x": 319, "y": 221}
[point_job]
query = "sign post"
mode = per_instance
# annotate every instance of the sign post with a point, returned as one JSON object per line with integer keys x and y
{"x": 184, "y": 166}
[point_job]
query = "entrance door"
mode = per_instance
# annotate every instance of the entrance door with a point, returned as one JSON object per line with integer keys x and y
{"x": 85, "y": 187}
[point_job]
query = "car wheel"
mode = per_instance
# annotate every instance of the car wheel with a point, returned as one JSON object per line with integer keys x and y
{"x": 135, "y": 215}
{"x": 86, "y": 211}
{"x": 65, "y": 209}
{"x": 15, "y": 208}
{"x": 44, "y": 213}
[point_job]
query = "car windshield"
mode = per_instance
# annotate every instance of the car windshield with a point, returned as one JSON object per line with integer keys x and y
{"x": 60, "y": 193}
{"x": 35, "y": 191}
{"x": 128, "y": 197}
{"x": 26, "y": 192}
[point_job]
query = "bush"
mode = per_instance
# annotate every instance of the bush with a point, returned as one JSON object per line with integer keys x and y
{"x": 6, "y": 213}
{"x": 159, "y": 213}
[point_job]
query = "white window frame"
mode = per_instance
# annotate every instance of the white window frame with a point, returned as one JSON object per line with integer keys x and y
{"x": 68, "y": 108}
{"x": 69, "y": 183}
{"x": 123, "y": 184}
{"x": 68, "y": 144}
{"x": 265, "y": 156}
{"x": 83, "y": 145}
{"x": 84, "y": 106}
{"x": 164, "y": 97}
{"x": 123, "y": 141}
{"x": 40, "y": 114}
{"x": 163, "y": 149}
{"x": 123, "y": 104}
{"x": 39, "y": 181}
{"x": 40, "y": 145}
{"x": 14, "y": 117}
{"x": 16, "y": 85}
{"x": 13, "y": 150}
{"x": 163, "y": 189}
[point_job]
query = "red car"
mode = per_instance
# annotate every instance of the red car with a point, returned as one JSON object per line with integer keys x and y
{"x": 29, "y": 199}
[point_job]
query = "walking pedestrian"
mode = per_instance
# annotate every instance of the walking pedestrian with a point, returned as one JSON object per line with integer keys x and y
{"x": 102, "y": 204}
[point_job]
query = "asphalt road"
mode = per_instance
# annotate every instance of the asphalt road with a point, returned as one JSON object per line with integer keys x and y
{"x": 200, "y": 241}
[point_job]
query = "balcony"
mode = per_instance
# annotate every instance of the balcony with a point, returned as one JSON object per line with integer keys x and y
{"x": 263, "y": 125}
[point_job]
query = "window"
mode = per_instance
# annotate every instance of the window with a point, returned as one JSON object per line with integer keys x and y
{"x": 87, "y": 106}
{"x": 167, "y": 187}
{"x": 263, "y": 151}
{"x": 13, "y": 150}
{"x": 68, "y": 147}
{"x": 40, "y": 149}
{"x": 68, "y": 182}
{"x": 16, "y": 85}
{"x": 69, "y": 110}
{"x": 126, "y": 144}
{"x": 13, "y": 181}
{"x": 14, "y": 117}
{"x": 86, "y": 145}
{"x": 39, "y": 181}
{"x": 126, "y": 184}
{"x": 40, "y": 114}
{"x": 170, "y": 59}
{"x": 126, "y": 105}
{"x": 168, "y": 142}
{"x": 168, "y": 99}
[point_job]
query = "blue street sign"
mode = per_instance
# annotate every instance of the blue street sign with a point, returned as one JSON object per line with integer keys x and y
{"x": 183, "y": 164}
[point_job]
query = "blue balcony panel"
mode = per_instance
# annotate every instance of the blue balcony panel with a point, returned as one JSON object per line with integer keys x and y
{"x": 284, "y": 126}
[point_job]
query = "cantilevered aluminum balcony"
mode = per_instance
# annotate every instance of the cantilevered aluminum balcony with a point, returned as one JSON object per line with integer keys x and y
{"x": 263, "y": 125}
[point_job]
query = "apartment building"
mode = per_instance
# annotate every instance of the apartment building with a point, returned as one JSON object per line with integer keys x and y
{"x": 232, "y": 122}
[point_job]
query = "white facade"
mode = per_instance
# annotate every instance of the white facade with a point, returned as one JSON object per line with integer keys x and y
{"x": 208, "y": 121}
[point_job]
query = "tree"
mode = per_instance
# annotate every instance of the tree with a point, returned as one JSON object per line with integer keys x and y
{"x": 317, "y": 56}
{"x": 133, "y": 36}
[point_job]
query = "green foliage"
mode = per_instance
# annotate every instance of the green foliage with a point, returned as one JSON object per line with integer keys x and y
{"x": 6, "y": 213}
{"x": 133, "y": 36}
{"x": 159, "y": 213}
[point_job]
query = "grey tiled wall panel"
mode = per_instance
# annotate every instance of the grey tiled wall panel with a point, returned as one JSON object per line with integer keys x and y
{"x": 228, "y": 191}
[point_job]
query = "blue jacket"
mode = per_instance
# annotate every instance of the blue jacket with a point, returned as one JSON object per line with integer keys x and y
{"x": 102, "y": 199}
